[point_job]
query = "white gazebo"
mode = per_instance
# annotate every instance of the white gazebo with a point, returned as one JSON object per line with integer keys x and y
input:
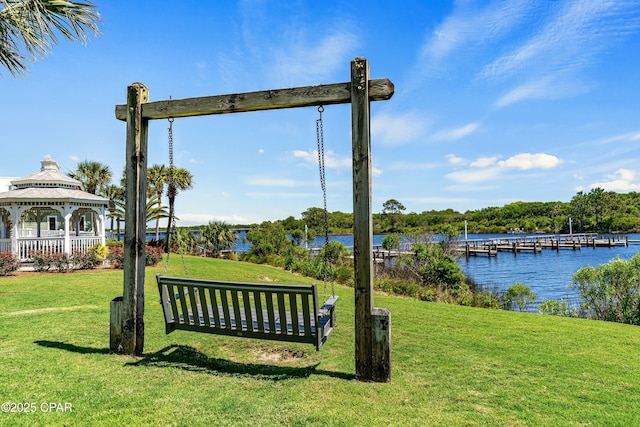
{"x": 51, "y": 213}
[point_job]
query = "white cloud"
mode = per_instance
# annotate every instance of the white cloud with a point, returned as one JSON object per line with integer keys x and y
{"x": 621, "y": 180}
{"x": 455, "y": 160}
{"x": 524, "y": 161}
{"x": 483, "y": 162}
{"x": 474, "y": 175}
{"x": 394, "y": 130}
{"x": 188, "y": 219}
{"x": 266, "y": 181}
{"x": 455, "y": 134}
{"x": 489, "y": 168}
{"x": 331, "y": 160}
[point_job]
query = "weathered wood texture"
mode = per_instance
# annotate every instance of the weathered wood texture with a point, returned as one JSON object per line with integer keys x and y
{"x": 381, "y": 335}
{"x": 337, "y": 93}
{"x": 131, "y": 340}
{"x": 362, "y": 216}
{"x": 275, "y": 312}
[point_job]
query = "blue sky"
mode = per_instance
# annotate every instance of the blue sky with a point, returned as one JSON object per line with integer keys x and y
{"x": 495, "y": 102}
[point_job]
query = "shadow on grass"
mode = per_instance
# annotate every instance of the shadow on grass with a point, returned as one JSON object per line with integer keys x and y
{"x": 72, "y": 347}
{"x": 190, "y": 359}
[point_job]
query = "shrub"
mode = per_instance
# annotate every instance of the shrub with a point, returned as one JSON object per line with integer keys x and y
{"x": 84, "y": 261}
{"x": 41, "y": 261}
{"x": 115, "y": 257}
{"x": 61, "y": 262}
{"x": 519, "y": 295}
{"x": 99, "y": 251}
{"x": 153, "y": 255}
{"x": 8, "y": 263}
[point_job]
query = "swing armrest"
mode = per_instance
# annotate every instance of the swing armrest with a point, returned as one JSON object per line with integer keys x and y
{"x": 328, "y": 305}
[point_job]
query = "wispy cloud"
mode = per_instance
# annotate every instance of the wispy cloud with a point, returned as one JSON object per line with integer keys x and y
{"x": 267, "y": 181}
{"x": 308, "y": 59}
{"x": 331, "y": 160}
{"x": 398, "y": 129}
{"x": 457, "y": 133}
{"x": 468, "y": 25}
{"x": 571, "y": 38}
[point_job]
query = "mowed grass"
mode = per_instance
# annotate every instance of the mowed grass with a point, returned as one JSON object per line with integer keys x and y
{"x": 451, "y": 365}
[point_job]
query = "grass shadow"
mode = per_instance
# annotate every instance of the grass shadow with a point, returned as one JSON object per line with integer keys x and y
{"x": 72, "y": 347}
{"x": 190, "y": 359}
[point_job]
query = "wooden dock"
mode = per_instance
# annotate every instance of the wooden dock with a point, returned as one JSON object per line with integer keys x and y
{"x": 536, "y": 243}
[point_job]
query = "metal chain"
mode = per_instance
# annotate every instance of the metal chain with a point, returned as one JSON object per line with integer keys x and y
{"x": 171, "y": 190}
{"x": 323, "y": 184}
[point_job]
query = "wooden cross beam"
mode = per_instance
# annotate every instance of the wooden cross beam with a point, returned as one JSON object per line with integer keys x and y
{"x": 306, "y": 96}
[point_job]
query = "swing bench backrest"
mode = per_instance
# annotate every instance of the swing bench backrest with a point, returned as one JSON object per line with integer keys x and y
{"x": 264, "y": 311}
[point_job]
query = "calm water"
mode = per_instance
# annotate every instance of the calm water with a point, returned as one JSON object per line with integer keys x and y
{"x": 548, "y": 274}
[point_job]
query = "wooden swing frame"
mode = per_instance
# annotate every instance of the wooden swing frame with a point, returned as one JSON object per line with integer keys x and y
{"x": 372, "y": 325}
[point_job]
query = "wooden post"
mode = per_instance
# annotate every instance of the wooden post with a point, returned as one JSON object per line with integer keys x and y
{"x": 370, "y": 365}
{"x": 127, "y": 312}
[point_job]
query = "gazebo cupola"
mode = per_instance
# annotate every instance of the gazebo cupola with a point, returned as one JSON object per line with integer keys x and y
{"x": 50, "y": 212}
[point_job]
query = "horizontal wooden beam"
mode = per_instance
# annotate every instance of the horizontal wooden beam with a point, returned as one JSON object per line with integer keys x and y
{"x": 337, "y": 93}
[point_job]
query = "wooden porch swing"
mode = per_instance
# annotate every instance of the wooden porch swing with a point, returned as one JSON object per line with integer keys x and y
{"x": 194, "y": 299}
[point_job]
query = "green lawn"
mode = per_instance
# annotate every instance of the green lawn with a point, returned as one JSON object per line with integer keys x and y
{"x": 451, "y": 365}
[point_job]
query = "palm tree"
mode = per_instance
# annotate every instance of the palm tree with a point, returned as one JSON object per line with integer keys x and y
{"x": 218, "y": 236}
{"x": 113, "y": 193}
{"x": 153, "y": 211}
{"x": 179, "y": 179}
{"x": 92, "y": 175}
{"x": 157, "y": 177}
{"x": 29, "y": 28}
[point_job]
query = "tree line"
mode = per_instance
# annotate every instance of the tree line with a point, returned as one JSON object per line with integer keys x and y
{"x": 596, "y": 211}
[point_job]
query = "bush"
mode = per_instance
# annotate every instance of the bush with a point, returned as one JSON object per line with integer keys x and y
{"x": 41, "y": 261}
{"x": 61, "y": 262}
{"x": 115, "y": 257}
{"x": 153, "y": 255}
{"x": 519, "y": 295}
{"x": 611, "y": 291}
{"x": 84, "y": 261}
{"x": 8, "y": 263}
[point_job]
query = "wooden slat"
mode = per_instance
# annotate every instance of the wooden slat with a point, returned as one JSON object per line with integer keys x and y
{"x": 172, "y": 299}
{"x": 293, "y": 303}
{"x": 204, "y": 307}
{"x": 193, "y": 302}
{"x": 306, "y": 96}
{"x": 257, "y": 299}
{"x": 272, "y": 319}
{"x": 237, "y": 315}
{"x": 183, "y": 305}
{"x": 306, "y": 315}
{"x": 214, "y": 307}
{"x": 247, "y": 310}
{"x": 282, "y": 310}
{"x": 225, "y": 309}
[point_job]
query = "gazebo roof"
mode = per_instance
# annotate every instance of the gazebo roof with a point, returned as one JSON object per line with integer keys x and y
{"x": 49, "y": 184}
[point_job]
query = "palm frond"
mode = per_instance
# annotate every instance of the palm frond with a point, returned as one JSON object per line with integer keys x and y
{"x": 33, "y": 26}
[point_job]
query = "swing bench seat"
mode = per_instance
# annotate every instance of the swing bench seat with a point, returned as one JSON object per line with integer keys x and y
{"x": 273, "y": 312}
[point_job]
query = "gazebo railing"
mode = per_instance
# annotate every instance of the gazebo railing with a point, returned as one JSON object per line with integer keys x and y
{"x": 5, "y": 245}
{"x": 47, "y": 246}
{"x": 83, "y": 243}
